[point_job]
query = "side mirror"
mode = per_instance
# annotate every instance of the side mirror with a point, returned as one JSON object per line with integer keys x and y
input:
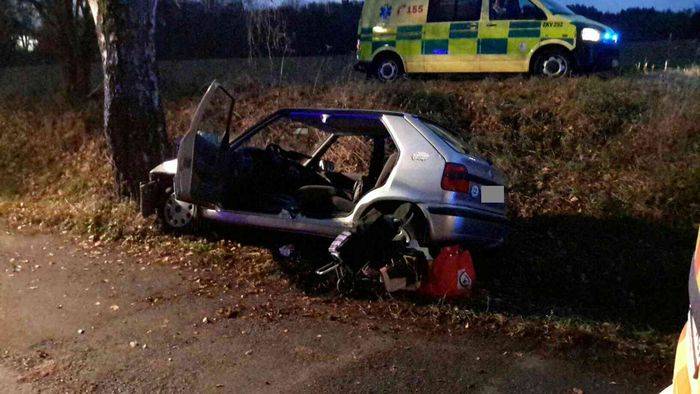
{"x": 326, "y": 166}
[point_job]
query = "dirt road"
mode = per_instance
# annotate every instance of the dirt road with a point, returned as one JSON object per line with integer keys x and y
{"x": 97, "y": 319}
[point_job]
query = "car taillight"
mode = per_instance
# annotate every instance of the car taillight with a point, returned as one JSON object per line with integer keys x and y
{"x": 455, "y": 178}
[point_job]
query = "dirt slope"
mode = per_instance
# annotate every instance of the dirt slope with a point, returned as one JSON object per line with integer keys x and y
{"x": 98, "y": 320}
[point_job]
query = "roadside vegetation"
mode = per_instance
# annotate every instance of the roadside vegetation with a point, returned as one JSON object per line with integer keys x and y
{"x": 604, "y": 187}
{"x": 185, "y": 78}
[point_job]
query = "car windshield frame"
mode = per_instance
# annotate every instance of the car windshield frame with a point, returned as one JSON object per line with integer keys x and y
{"x": 204, "y": 104}
{"x": 557, "y": 8}
{"x": 451, "y": 138}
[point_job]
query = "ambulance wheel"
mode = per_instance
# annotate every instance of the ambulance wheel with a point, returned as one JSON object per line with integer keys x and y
{"x": 176, "y": 216}
{"x": 388, "y": 67}
{"x": 552, "y": 63}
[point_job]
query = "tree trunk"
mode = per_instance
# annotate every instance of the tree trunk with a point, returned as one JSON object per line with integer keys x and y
{"x": 133, "y": 114}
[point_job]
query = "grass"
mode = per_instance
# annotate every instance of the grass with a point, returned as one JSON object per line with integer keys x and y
{"x": 604, "y": 180}
{"x": 180, "y": 79}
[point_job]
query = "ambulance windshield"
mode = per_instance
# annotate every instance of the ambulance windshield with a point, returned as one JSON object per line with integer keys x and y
{"x": 557, "y": 8}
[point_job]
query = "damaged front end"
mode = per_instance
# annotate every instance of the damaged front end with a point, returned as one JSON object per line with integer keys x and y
{"x": 153, "y": 192}
{"x": 149, "y": 196}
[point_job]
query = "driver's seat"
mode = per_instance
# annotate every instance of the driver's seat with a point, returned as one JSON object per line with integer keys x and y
{"x": 319, "y": 201}
{"x": 327, "y": 201}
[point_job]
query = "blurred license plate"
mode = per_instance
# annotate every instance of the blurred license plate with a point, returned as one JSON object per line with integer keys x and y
{"x": 493, "y": 195}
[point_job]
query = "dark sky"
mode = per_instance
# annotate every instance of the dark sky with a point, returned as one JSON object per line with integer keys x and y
{"x": 616, "y": 5}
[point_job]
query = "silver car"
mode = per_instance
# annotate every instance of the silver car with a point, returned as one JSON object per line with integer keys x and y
{"x": 319, "y": 171}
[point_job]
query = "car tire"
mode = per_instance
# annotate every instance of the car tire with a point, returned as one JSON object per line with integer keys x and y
{"x": 552, "y": 63}
{"x": 388, "y": 68}
{"x": 417, "y": 227}
{"x": 176, "y": 216}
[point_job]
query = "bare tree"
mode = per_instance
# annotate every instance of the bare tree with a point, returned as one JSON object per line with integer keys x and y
{"x": 133, "y": 114}
{"x": 267, "y": 30}
{"x": 66, "y": 30}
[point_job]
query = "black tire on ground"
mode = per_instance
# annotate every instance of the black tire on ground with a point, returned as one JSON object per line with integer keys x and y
{"x": 552, "y": 63}
{"x": 176, "y": 216}
{"x": 387, "y": 67}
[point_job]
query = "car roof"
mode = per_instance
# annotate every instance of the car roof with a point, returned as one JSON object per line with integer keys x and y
{"x": 339, "y": 111}
{"x": 340, "y": 121}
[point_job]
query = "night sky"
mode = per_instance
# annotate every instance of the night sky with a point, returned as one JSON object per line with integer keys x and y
{"x": 616, "y": 5}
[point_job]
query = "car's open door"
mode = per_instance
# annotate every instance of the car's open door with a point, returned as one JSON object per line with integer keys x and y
{"x": 201, "y": 150}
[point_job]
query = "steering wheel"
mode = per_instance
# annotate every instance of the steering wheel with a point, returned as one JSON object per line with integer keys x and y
{"x": 275, "y": 149}
{"x": 278, "y": 150}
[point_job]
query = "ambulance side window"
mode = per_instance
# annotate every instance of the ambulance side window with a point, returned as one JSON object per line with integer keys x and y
{"x": 515, "y": 10}
{"x": 454, "y": 10}
{"x": 441, "y": 10}
{"x": 468, "y": 10}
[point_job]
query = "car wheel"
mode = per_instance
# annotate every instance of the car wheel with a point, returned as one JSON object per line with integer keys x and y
{"x": 388, "y": 68}
{"x": 176, "y": 215}
{"x": 552, "y": 64}
{"x": 415, "y": 228}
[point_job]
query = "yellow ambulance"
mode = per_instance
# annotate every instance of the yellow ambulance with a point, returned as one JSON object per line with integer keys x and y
{"x": 686, "y": 372}
{"x": 542, "y": 37}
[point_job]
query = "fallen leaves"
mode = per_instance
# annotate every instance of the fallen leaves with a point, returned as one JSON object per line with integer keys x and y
{"x": 47, "y": 368}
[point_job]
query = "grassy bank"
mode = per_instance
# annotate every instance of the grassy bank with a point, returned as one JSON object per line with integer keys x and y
{"x": 184, "y": 78}
{"x": 604, "y": 186}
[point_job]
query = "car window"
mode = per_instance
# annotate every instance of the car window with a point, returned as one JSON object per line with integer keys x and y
{"x": 289, "y": 135}
{"x": 350, "y": 154}
{"x": 454, "y": 140}
{"x": 515, "y": 10}
{"x": 557, "y": 8}
{"x": 454, "y": 10}
{"x": 215, "y": 115}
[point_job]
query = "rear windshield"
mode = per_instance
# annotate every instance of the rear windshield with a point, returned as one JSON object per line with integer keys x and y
{"x": 454, "y": 140}
{"x": 557, "y": 8}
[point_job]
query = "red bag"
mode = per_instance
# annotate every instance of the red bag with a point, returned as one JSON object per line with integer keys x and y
{"x": 451, "y": 274}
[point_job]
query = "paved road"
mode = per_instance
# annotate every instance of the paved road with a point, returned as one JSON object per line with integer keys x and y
{"x": 97, "y": 319}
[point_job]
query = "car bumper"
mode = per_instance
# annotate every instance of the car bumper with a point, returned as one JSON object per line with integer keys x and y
{"x": 148, "y": 200}
{"x": 597, "y": 57}
{"x": 473, "y": 227}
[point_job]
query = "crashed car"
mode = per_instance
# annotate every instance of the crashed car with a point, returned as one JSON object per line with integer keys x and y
{"x": 321, "y": 171}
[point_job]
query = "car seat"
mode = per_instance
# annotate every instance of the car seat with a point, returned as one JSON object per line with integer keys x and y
{"x": 327, "y": 201}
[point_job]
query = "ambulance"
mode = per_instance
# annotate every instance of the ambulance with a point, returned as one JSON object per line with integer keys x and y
{"x": 540, "y": 37}
{"x": 686, "y": 372}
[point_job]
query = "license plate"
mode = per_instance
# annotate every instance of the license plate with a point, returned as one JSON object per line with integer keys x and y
{"x": 493, "y": 195}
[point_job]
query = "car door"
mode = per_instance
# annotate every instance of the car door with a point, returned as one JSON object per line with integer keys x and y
{"x": 510, "y": 32}
{"x": 197, "y": 179}
{"x": 450, "y": 36}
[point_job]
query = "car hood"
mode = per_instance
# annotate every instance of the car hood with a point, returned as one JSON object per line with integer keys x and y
{"x": 581, "y": 21}
{"x": 166, "y": 167}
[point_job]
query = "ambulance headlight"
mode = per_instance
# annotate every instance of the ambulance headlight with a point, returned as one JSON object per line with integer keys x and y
{"x": 590, "y": 34}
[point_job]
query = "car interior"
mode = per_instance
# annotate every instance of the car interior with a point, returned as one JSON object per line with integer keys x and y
{"x": 303, "y": 162}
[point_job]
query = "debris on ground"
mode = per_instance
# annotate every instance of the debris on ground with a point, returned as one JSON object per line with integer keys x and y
{"x": 383, "y": 248}
{"x": 228, "y": 312}
{"x": 48, "y": 367}
{"x": 451, "y": 275}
